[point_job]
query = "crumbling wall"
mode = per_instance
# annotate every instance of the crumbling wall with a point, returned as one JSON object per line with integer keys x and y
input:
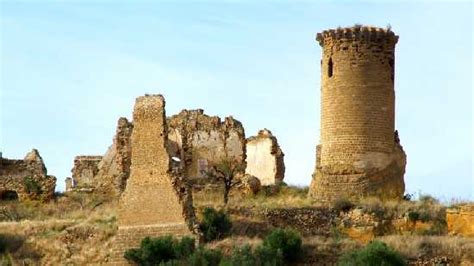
{"x": 200, "y": 141}
{"x": 27, "y": 178}
{"x": 114, "y": 169}
{"x": 359, "y": 154}
{"x": 84, "y": 170}
{"x": 154, "y": 202}
{"x": 265, "y": 159}
{"x": 109, "y": 173}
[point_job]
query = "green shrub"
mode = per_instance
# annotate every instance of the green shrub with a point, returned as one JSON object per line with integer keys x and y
{"x": 154, "y": 251}
{"x": 242, "y": 256}
{"x": 204, "y": 257}
{"x": 3, "y": 244}
{"x": 413, "y": 216}
{"x": 215, "y": 224}
{"x": 267, "y": 256}
{"x": 374, "y": 254}
{"x": 342, "y": 204}
{"x": 31, "y": 185}
{"x": 262, "y": 256}
{"x": 287, "y": 241}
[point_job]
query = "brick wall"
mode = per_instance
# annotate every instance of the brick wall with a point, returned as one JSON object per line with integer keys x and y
{"x": 150, "y": 204}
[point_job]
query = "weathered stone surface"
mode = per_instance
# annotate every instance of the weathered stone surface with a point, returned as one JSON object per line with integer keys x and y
{"x": 27, "y": 178}
{"x": 109, "y": 173}
{"x": 461, "y": 220}
{"x": 359, "y": 154}
{"x": 154, "y": 202}
{"x": 249, "y": 185}
{"x": 265, "y": 158}
{"x": 84, "y": 170}
{"x": 114, "y": 169}
{"x": 200, "y": 141}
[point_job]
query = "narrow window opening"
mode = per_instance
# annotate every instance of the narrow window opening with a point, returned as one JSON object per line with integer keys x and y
{"x": 330, "y": 66}
{"x": 392, "y": 74}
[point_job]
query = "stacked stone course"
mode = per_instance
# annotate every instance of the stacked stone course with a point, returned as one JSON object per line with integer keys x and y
{"x": 358, "y": 154}
{"x": 155, "y": 202}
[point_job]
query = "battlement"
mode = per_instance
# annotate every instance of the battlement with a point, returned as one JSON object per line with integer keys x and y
{"x": 361, "y": 33}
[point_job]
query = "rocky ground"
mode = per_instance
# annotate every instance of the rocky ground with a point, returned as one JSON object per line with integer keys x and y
{"x": 79, "y": 229}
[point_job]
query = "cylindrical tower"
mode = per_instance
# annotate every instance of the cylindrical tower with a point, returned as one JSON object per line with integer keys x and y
{"x": 357, "y": 115}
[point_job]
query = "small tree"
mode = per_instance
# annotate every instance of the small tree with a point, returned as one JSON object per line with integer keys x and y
{"x": 226, "y": 169}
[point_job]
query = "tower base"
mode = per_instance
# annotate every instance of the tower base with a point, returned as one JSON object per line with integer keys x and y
{"x": 386, "y": 183}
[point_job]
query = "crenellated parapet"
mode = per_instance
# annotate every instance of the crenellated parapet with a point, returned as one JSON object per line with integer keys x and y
{"x": 357, "y": 33}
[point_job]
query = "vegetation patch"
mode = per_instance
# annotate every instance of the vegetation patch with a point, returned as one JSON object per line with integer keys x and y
{"x": 375, "y": 253}
{"x": 215, "y": 224}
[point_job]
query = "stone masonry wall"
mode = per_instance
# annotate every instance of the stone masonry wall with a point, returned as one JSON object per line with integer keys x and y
{"x": 200, "y": 140}
{"x": 154, "y": 202}
{"x": 359, "y": 153}
{"x": 265, "y": 158}
{"x": 109, "y": 173}
{"x": 114, "y": 169}
{"x": 84, "y": 171}
{"x": 27, "y": 177}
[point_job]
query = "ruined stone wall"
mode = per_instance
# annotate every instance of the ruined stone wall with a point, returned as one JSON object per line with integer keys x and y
{"x": 109, "y": 173}
{"x": 265, "y": 158}
{"x": 84, "y": 170}
{"x": 114, "y": 168}
{"x": 358, "y": 151}
{"x": 154, "y": 202}
{"x": 28, "y": 178}
{"x": 200, "y": 140}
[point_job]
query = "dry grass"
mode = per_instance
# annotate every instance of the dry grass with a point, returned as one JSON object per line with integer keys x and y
{"x": 79, "y": 229}
{"x": 268, "y": 198}
{"x": 412, "y": 247}
{"x": 227, "y": 245}
{"x": 58, "y": 232}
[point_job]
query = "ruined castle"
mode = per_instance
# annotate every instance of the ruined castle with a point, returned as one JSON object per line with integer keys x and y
{"x": 359, "y": 152}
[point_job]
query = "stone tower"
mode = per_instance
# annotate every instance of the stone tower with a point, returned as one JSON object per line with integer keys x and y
{"x": 359, "y": 152}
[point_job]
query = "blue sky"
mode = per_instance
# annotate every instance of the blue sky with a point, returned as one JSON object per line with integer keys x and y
{"x": 69, "y": 70}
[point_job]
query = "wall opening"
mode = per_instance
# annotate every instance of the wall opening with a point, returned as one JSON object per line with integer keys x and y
{"x": 9, "y": 195}
{"x": 330, "y": 67}
{"x": 392, "y": 69}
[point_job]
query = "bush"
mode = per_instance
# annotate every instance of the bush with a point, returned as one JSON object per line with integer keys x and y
{"x": 288, "y": 242}
{"x": 262, "y": 256}
{"x": 374, "y": 254}
{"x": 413, "y": 216}
{"x": 154, "y": 251}
{"x": 268, "y": 256}
{"x": 342, "y": 204}
{"x": 204, "y": 257}
{"x": 215, "y": 224}
{"x": 241, "y": 256}
{"x": 3, "y": 244}
{"x": 31, "y": 186}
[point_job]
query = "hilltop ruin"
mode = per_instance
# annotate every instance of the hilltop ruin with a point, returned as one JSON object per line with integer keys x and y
{"x": 26, "y": 179}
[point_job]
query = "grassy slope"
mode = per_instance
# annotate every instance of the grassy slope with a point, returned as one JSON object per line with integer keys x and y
{"x": 78, "y": 229}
